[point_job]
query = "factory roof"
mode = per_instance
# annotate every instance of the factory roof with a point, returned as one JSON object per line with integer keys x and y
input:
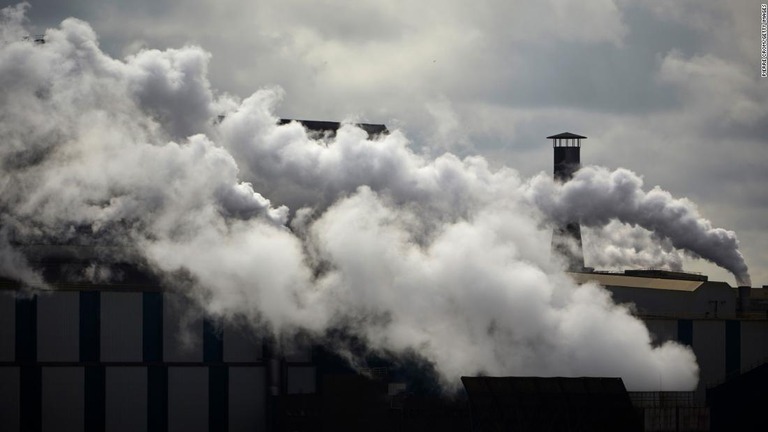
{"x": 611, "y": 279}
{"x": 331, "y": 127}
{"x": 566, "y": 135}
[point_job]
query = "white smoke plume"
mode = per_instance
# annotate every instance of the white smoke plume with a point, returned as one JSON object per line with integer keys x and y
{"x": 617, "y": 246}
{"x": 619, "y": 195}
{"x": 441, "y": 257}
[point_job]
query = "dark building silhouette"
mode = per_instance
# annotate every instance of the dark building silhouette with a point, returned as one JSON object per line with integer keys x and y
{"x": 738, "y": 404}
{"x": 566, "y": 239}
{"x": 329, "y": 128}
{"x": 550, "y": 404}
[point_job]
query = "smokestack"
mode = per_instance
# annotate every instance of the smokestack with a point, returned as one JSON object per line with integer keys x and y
{"x": 744, "y": 294}
{"x": 566, "y": 238}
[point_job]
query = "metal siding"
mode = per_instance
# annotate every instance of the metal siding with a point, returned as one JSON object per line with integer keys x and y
{"x": 246, "y": 399}
{"x": 676, "y": 419}
{"x": 182, "y": 333}
{"x": 121, "y": 326}
{"x": 709, "y": 347}
{"x": 7, "y": 326}
{"x": 754, "y": 344}
{"x": 241, "y": 345}
{"x": 9, "y": 398}
{"x": 188, "y": 399}
{"x": 62, "y": 399}
{"x": 126, "y": 399}
{"x": 301, "y": 379}
{"x": 662, "y": 330}
{"x": 58, "y": 317}
{"x": 654, "y": 302}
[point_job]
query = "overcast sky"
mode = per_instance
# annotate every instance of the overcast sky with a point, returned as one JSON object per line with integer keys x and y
{"x": 670, "y": 90}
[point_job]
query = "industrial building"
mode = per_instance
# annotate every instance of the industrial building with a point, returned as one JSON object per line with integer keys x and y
{"x": 726, "y": 327}
{"x": 535, "y": 404}
{"x": 128, "y": 358}
{"x": 131, "y": 356}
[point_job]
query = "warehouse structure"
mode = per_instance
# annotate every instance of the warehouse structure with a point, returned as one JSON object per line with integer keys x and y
{"x": 535, "y": 404}
{"x": 727, "y": 328}
{"x": 130, "y": 356}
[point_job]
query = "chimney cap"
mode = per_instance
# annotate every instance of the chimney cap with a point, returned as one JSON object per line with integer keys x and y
{"x": 566, "y": 135}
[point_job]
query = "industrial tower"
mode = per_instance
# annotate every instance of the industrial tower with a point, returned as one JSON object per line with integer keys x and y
{"x": 566, "y": 238}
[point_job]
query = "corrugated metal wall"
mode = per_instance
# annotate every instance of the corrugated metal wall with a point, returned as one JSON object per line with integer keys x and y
{"x": 129, "y": 361}
{"x": 126, "y": 361}
{"x": 125, "y": 397}
{"x": 121, "y": 327}
{"x": 724, "y": 348}
{"x": 709, "y": 347}
{"x": 754, "y": 344}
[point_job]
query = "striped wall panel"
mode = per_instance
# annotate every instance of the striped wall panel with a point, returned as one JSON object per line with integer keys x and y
{"x": 124, "y": 361}
{"x": 125, "y": 399}
{"x": 58, "y": 327}
{"x": 7, "y": 327}
{"x": 754, "y": 344}
{"x": 187, "y": 399}
{"x": 709, "y": 347}
{"x": 10, "y": 389}
{"x": 62, "y": 399}
{"x": 247, "y": 399}
{"x": 122, "y": 327}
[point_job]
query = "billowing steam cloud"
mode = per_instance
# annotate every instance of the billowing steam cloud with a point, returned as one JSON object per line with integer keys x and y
{"x": 441, "y": 257}
{"x": 619, "y": 195}
{"x": 617, "y": 246}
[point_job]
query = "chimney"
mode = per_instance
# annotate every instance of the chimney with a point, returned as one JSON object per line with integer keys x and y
{"x": 744, "y": 294}
{"x": 566, "y": 239}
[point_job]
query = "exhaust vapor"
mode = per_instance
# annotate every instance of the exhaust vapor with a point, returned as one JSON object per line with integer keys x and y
{"x": 617, "y": 246}
{"x": 442, "y": 257}
{"x": 618, "y": 195}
